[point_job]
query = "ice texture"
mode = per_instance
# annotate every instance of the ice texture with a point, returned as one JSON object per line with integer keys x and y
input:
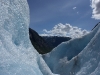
{"x": 80, "y": 56}
{"x": 17, "y": 55}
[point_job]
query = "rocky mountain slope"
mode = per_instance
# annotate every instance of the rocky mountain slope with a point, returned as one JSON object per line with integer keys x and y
{"x": 44, "y": 44}
{"x": 38, "y": 42}
{"x": 54, "y": 41}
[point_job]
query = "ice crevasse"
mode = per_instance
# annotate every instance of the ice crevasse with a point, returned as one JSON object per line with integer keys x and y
{"x": 17, "y": 55}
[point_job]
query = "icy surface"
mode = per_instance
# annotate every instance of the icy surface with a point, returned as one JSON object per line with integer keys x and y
{"x": 17, "y": 56}
{"x": 79, "y": 56}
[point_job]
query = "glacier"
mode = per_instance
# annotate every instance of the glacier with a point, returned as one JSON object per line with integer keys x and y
{"x": 80, "y": 56}
{"x": 17, "y": 55}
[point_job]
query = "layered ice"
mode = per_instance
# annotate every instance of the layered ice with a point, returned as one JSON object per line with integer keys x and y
{"x": 17, "y": 55}
{"x": 79, "y": 56}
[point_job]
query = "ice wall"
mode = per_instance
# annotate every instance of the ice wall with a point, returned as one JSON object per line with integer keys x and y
{"x": 17, "y": 56}
{"x": 79, "y": 56}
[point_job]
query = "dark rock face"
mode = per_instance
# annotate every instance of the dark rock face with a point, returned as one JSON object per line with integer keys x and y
{"x": 54, "y": 41}
{"x": 38, "y": 42}
{"x": 44, "y": 44}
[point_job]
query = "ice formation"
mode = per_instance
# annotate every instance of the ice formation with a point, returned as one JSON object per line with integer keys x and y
{"x": 79, "y": 56}
{"x": 17, "y": 56}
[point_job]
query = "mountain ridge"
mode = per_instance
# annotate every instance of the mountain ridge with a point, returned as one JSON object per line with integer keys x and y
{"x": 45, "y": 44}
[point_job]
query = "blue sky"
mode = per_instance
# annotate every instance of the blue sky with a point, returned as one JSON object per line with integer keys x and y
{"x": 45, "y": 14}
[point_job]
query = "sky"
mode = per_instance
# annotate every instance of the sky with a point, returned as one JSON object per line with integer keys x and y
{"x": 72, "y": 18}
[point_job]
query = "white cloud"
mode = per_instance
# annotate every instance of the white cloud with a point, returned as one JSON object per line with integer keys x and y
{"x": 74, "y": 8}
{"x": 95, "y": 5}
{"x": 65, "y": 30}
